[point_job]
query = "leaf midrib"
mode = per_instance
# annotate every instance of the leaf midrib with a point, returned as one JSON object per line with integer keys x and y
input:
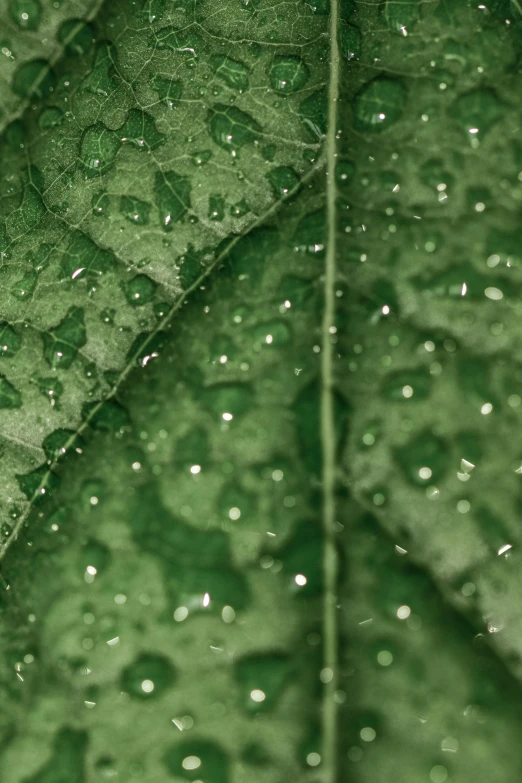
{"x": 330, "y": 557}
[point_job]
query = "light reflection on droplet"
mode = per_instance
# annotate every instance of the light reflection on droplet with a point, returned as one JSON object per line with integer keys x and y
{"x": 494, "y": 293}
{"x": 313, "y": 759}
{"x": 449, "y": 745}
{"x": 181, "y": 613}
{"x": 191, "y": 762}
{"x": 438, "y": 774}
{"x": 228, "y": 614}
{"x": 257, "y": 695}
{"x": 147, "y": 686}
{"x": 384, "y": 658}
{"x": 300, "y": 580}
{"x": 355, "y": 753}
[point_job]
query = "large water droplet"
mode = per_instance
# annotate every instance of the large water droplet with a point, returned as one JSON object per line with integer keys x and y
{"x": 148, "y": 677}
{"x": 379, "y": 104}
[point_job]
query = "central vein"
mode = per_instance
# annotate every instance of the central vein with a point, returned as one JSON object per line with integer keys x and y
{"x": 330, "y": 557}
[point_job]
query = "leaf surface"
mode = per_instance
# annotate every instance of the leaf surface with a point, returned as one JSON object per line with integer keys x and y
{"x": 258, "y": 396}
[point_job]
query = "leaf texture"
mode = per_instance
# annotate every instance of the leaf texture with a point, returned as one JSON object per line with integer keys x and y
{"x": 258, "y": 395}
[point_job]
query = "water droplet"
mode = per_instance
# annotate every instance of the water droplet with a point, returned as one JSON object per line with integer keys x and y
{"x": 232, "y": 128}
{"x": 76, "y": 36}
{"x": 216, "y": 207}
{"x": 350, "y": 41}
{"x": 183, "y": 40}
{"x": 50, "y": 118}
{"x": 378, "y": 104}
{"x": 288, "y": 74}
{"x": 148, "y": 677}
{"x": 10, "y": 397}
{"x": 478, "y": 111}
{"x": 33, "y": 79}
{"x": 172, "y": 197}
{"x": 424, "y": 451}
{"x": 135, "y": 210}
{"x": 283, "y": 180}
{"x": 198, "y": 760}
{"x": 98, "y": 149}
{"x": 61, "y": 344}
{"x": 262, "y": 679}
{"x": 233, "y": 72}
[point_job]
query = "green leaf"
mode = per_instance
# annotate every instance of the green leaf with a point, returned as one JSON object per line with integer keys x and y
{"x": 259, "y": 390}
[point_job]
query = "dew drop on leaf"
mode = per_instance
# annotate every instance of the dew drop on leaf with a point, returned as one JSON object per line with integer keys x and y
{"x": 232, "y": 128}
{"x": 172, "y": 197}
{"x": 33, "y": 79}
{"x": 228, "y": 400}
{"x": 194, "y": 760}
{"x": 216, "y": 207}
{"x": 350, "y": 41}
{"x": 402, "y": 16}
{"x": 139, "y": 129}
{"x": 262, "y": 679}
{"x": 477, "y": 111}
{"x": 379, "y": 104}
{"x": 169, "y": 90}
{"x": 288, "y": 74}
{"x": 10, "y": 341}
{"x": 76, "y": 36}
{"x": 98, "y": 150}
{"x": 283, "y": 180}
{"x": 10, "y": 397}
{"x": 61, "y": 344}
{"x": 183, "y": 40}
{"x": 233, "y": 72}
{"x": 313, "y": 111}
{"x": 140, "y": 290}
{"x": 50, "y": 118}
{"x": 52, "y": 389}
{"x": 135, "y": 210}
{"x": 423, "y": 458}
{"x": 26, "y": 13}
{"x": 148, "y": 677}
{"x": 100, "y": 204}
{"x": 100, "y": 81}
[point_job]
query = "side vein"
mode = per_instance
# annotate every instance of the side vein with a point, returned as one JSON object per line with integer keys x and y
{"x": 132, "y": 362}
{"x": 327, "y": 434}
